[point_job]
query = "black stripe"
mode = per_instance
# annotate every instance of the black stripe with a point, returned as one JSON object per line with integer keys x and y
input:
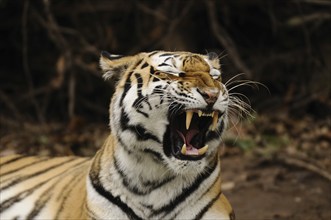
{"x": 143, "y": 113}
{"x": 39, "y": 205}
{"x": 157, "y": 90}
{"x": 23, "y": 167}
{"x": 41, "y": 202}
{"x": 109, "y": 196}
{"x": 167, "y": 59}
{"x": 137, "y": 102}
{"x": 21, "y": 179}
{"x": 186, "y": 192}
{"x": 148, "y": 185}
{"x": 141, "y": 133}
{"x": 20, "y": 196}
{"x": 127, "y": 86}
{"x": 83, "y": 204}
{"x": 162, "y": 98}
{"x": 12, "y": 160}
{"x": 137, "y": 64}
{"x": 152, "y": 70}
{"x": 164, "y": 64}
{"x": 125, "y": 147}
{"x": 211, "y": 186}
{"x": 166, "y": 54}
{"x": 157, "y": 155}
{"x": 126, "y": 182}
{"x": 205, "y": 209}
{"x": 153, "y": 53}
{"x": 155, "y": 79}
{"x": 144, "y": 65}
{"x": 148, "y": 103}
{"x": 157, "y": 184}
{"x": 90, "y": 213}
{"x": 68, "y": 188}
{"x": 182, "y": 94}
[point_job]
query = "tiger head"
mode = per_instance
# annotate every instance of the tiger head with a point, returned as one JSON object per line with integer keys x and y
{"x": 169, "y": 105}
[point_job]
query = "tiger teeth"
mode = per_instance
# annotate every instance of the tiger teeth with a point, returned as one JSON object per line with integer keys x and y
{"x": 203, "y": 150}
{"x": 207, "y": 114}
{"x": 189, "y": 115}
{"x": 183, "y": 150}
{"x": 215, "y": 120}
{"x": 200, "y": 113}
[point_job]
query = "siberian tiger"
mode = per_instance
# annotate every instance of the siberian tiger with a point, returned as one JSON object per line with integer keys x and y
{"x": 160, "y": 161}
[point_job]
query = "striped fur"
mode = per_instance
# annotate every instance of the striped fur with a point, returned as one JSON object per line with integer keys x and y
{"x": 142, "y": 171}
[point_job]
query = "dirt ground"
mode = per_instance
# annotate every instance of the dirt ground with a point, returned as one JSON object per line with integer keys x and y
{"x": 270, "y": 170}
{"x": 258, "y": 189}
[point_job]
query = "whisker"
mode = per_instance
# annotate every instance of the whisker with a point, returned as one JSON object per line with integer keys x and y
{"x": 232, "y": 78}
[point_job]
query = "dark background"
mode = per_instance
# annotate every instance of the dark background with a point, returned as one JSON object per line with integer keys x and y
{"x": 50, "y": 50}
{"x": 53, "y": 100}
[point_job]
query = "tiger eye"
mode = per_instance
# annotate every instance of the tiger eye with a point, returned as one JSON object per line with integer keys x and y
{"x": 181, "y": 74}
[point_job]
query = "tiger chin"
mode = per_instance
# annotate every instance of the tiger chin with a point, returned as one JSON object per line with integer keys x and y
{"x": 160, "y": 161}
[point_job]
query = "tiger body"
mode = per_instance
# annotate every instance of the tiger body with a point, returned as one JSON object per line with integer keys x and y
{"x": 160, "y": 161}
{"x": 44, "y": 188}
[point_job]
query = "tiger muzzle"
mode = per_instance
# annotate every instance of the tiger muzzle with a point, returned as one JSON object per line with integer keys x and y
{"x": 210, "y": 95}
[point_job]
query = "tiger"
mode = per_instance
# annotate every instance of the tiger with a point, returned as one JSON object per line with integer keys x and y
{"x": 161, "y": 159}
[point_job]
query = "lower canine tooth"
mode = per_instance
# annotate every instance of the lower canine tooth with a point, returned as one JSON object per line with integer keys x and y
{"x": 203, "y": 150}
{"x": 183, "y": 150}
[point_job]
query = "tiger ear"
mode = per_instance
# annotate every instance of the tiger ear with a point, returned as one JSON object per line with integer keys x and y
{"x": 214, "y": 60}
{"x": 114, "y": 66}
{"x": 215, "y": 71}
{"x": 212, "y": 56}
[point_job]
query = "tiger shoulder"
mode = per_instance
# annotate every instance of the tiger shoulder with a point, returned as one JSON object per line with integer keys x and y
{"x": 160, "y": 160}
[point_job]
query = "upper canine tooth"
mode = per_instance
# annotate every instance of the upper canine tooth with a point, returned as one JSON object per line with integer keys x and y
{"x": 189, "y": 115}
{"x": 203, "y": 150}
{"x": 212, "y": 114}
{"x": 214, "y": 123}
{"x": 183, "y": 150}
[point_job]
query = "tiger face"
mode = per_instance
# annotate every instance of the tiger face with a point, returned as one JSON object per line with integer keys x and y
{"x": 171, "y": 106}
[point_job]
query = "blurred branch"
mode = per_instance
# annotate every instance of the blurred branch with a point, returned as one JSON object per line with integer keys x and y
{"x": 10, "y": 105}
{"x": 152, "y": 12}
{"x": 301, "y": 20}
{"x": 25, "y": 61}
{"x": 318, "y": 2}
{"x": 171, "y": 28}
{"x": 224, "y": 38}
{"x": 60, "y": 41}
{"x": 292, "y": 161}
{"x": 174, "y": 23}
{"x": 85, "y": 45}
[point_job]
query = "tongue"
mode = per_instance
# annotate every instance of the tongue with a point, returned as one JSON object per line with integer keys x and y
{"x": 187, "y": 137}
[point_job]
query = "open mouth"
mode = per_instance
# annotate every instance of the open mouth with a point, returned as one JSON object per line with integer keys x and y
{"x": 188, "y": 133}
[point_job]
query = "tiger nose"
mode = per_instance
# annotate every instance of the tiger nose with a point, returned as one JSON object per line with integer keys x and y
{"x": 210, "y": 95}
